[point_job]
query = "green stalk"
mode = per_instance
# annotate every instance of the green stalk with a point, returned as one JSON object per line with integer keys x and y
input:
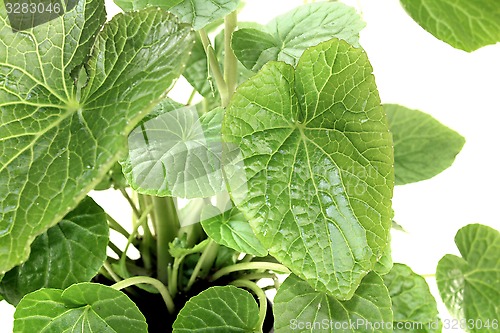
{"x": 260, "y": 295}
{"x": 174, "y": 277}
{"x": 131, "y": 203}
{"x": 276, "y": 282}
{"x": 146, "y": 246}
{"x": 257, "y": 276}
{"x": 190, "y": 99}
{"x": 205, "y": 262}
{"x": 247, "y": 258}
{"x": 192, "y": 228}
{"x": 230, "y": 61}
{"x": 115, "y": 249}
{"x": 167, "y": 227}
{"x": 167, "y": 298}
{"x": 123, "y": 258}
{"x": 215, "y": 68}
{"x": 117, "y": 226}
{"x": 148, "y": 201}
{"x": 248, "y": 266}
{"x": 110, "y": 271}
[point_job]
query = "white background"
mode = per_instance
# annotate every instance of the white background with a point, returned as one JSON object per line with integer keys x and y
{"x": 461, "y": 90}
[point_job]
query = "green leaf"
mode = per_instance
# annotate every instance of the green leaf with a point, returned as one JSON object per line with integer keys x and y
{"x": 177, "y": 153}
{"x": 177, "y": 249}
{"x": 129, "y": 5}
{"x": 286, "y": 37}
{"x": 84, "y": 307}
{"x": 470, "y": 285}
{"x": 464, "y": 24}
{"x": 413, "y": 305}
{"x": 113, "y": 178}
{"x": 197, "y": 73}
{"x": 423, "y": 147}
{"x": 225, "y": 257}
{"x": 385, "y": 264}
{"x": 228, "y": 308}
{"x": 231, "y": 229}
{"x": 318, "y": 160}
{"x": 58, "y": 139}
{"x": 70, "y": 252}
{"x": 299, "y": 307}
{"x": 198, "y": 13}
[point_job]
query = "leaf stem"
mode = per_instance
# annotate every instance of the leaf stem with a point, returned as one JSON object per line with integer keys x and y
{"x": 205, "y": 262}
{"x": 167, "y": 298}
{"x": 132, "y": 235}
{"x": 174, "y": 276}
{"x": 147, "y": 201}
{"x": 131, "y": 203}
{"x": 276, "y": 282}
{"x": 167, "y": 227}
{"x": 257, "y": 276}
{"x": 248, "y": 266}
{"x": 247, "y": 258}
{"x": 190, "y": 99}
{"x": 146, "y": 246}
{"x": 260, "y": 295}
{"x": 230, "y": 61}
{"x": 110, "y": 271}
{"x": 215, "y": 68}
{"x": 117, "y": 226}
{"x": 115, "y": 249}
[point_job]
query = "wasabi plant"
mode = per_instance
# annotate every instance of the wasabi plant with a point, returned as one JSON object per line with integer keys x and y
{"x": 283, "y": 161}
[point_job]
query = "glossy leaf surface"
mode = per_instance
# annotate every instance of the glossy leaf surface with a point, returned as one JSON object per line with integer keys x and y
{"x": 298, "y": 307}
{"x": 413, "y": 306}
{"x": 423, "y": 147}
{"x": 82, "y": 308}
{"x": 218, "y": 308}
{"x": 59, "y": 137}
{"x": 318, "y": 160}
{"x": 464, "y": 24}
{"x": 470, "y": 285}
{"x": 70, "y": 252}
{"x": 286, "y": 37}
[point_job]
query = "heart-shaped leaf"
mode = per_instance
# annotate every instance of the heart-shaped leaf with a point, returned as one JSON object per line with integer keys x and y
{"x": 318, "y": 160}
{"x": 464, "y": 24}
{"x": 176, "y": 153}
{"x": 58, "y": 137}
{"x": 218, "y": 309}
{"x": 413, "y": 306}
{"x": 84, "y": 308}
{"x": 470, "y": 285}
{"x": 70, "y": 252}
{"x": 286, "y": 37}
{"x": 231, "y": 229}
{"x": 423, "y": 147}
{"x": 298, "y": 307}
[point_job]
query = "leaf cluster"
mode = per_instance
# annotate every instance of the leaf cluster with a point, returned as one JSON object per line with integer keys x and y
{"x": 285, "y": 165}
